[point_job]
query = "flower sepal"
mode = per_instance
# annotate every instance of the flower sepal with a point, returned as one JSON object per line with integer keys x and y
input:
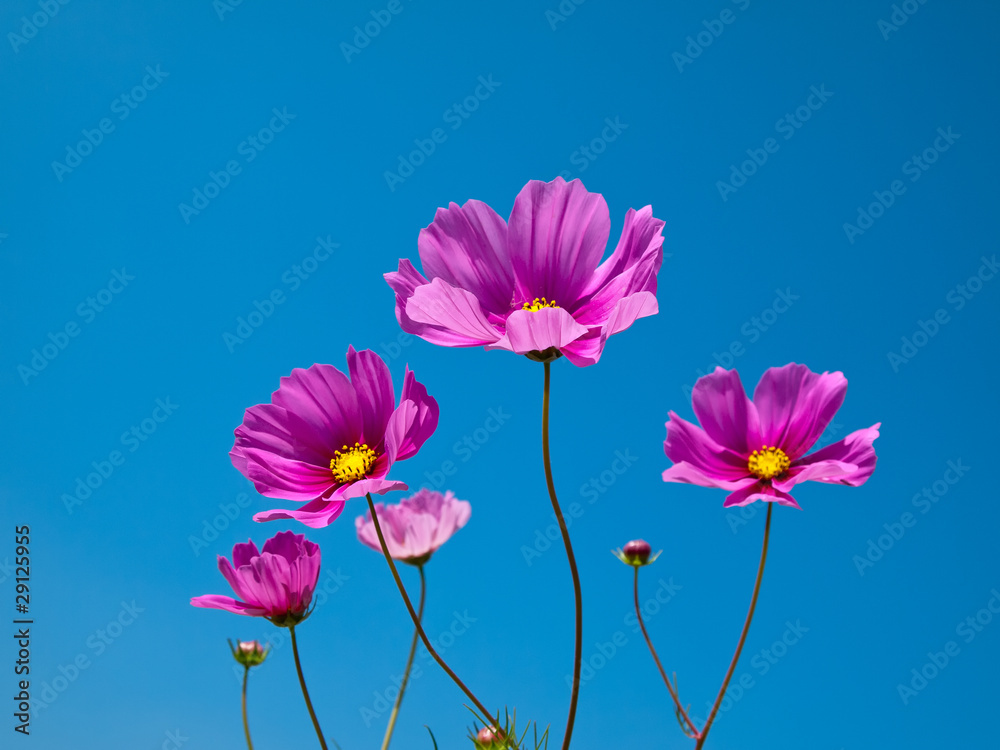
{"x": 249, "y": 653}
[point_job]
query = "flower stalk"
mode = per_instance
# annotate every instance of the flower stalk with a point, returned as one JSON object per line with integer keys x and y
{"x": 409, "y": 662}
{"x": 305, "y": 691}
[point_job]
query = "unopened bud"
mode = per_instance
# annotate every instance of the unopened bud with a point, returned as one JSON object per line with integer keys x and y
{"x": 636, "y": 553}
{"x": 489, "y": 737}
{"x": 248, "y": 653}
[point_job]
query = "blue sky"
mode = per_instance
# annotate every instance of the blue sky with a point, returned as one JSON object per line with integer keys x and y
{"x": 827, "y": 175}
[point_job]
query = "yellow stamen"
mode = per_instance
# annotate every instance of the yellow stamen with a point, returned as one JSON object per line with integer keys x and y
{"x": 768, "y": 462}
{"x": 538, "y": 304}
{"x": 352, "y": 463}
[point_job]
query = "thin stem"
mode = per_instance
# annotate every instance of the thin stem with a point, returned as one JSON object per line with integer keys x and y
{"x": 670, "y": 687}
{"x": 409, "y": 663}
{"x": 743, "y": 635}
{"x": 305, "y": 692}
{"x": 246, "y": 726}
{"x": 578, "y": 650}
{"x": 416, "y": 620}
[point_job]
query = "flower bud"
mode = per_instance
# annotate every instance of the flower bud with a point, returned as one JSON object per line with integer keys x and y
{"x": 636, "y": 553}
{"x": 248, "y": 653}
{"x": 489, "y": 737}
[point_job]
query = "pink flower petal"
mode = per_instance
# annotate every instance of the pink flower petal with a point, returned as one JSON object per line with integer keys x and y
{"x": 455, "y": 315}
{"x": 688, "y": 444}
{"x": 285, "y": 478}
{"x": 725, "y": 412}
{"x": 373, "y": 385}
{"x": 795, "y": 406}
{"x": 324, "y": 398}
{"x": 538, "y": 330}
{"x": 759, "y": 491}
{"x": 849, "y": 461}
{"x": 227, "y": 603}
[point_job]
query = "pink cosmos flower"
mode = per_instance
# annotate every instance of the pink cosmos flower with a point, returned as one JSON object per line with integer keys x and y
{"x": 277, "y": 583}
{"x": 532, "y": 285}
{"x": 416, "y": 526}
{"x": 324, "y": 439}
{"x": 757, "y": 449}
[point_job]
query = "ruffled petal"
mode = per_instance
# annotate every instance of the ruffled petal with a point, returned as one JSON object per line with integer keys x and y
{"x": 422, "y": 423}
{"x": 556, "y": 236}
{"x": 467, "y": 247}
{"x": 538, "y": 330}
{"x": 725, "y": 412}
{"x": 373, "y": 386}
{"x": 759, "y": 491}
{"x": 316, "y": 514}
{"x": 796, "y": 404}
{"x": 215, "y": 601}
{"x": 689, "y": 444}
{"x": 849, "y": 461}
{"x": 452, "y": 316}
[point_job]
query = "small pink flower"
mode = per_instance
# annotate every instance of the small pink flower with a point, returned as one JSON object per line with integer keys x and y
{"x": 276, "y": 584}
{"x": 757, "y": 449}
{"x": 416, "y": 526}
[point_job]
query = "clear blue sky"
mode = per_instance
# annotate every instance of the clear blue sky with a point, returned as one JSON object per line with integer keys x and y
{"x": 175, "y": 96}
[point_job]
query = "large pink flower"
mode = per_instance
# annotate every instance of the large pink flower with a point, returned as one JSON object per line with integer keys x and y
{"x": 324, "y": 439}
{"x": 277, "y": 583}
{"x": 415, "y": 527}
{"x": 531, "y": 285}
{"x": 757, "y": 449}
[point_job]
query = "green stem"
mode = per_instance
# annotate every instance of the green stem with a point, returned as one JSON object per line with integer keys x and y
{"x": 578, "y": 651}
{"x": 409, "y": 663}
{"x": 305, "y": 692}
{"x": 416, "y": 620}
{"x": 670, "y": 688}
{"x": 743, "y": 635}
{"x": 246, "y": 726}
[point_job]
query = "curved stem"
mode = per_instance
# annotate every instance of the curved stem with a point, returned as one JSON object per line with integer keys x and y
{"x": 578, "y": 650}
{"x": 246, "y": 726}
{"x": 670, "y": 687}
{"x": 409, "y": 663}
{"x": 305, "y": 692}
{"x": 743, "y": 635}
{"x": 416, "y": 620}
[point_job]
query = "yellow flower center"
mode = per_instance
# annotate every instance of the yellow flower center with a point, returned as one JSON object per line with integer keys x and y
{"x": 538, "y": 304}
{"x": 768, "y": 462}
{"x": 350, "y": 464}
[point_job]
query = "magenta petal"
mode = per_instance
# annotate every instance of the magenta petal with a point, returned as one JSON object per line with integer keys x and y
{"x": 586, "y": 350}
{"x": 317, "y": 514}
{"x": 373, "y": 386}
{"x": 759, "y": 491}
{"x": 276, "y": 430}
{"x": 538, "y": 330}
{"x": 467, "y": 247}
{"x": 640, "y": 238}
{"x": 324, "y": 398}
{"x": 725, "y": 412}
{"x": 215, "y": 601}
{"x": 556, "y": 236}
{"x": 795, "y": 406}
{"x": 455, "y": 313}
{"x": 687, "y": 473}
{"x": 285, "y": 478}
{"x": 422, "y": 423}
{"x": 405, "y": 281}
{"x": 849, "y": 461}
{"x": 686, "y": 443}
